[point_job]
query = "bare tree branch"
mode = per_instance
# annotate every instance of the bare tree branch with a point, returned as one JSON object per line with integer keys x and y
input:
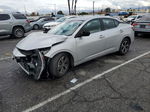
{"x": 75, "y": 6}
{"x": 69, "y": 6}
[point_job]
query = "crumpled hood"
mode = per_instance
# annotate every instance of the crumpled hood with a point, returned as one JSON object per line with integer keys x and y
{"x": 39, "y": 40}
{"x": 52, "y": 24}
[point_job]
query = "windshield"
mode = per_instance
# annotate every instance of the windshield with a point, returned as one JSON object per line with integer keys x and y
{"x": 67, "y": 28}
{"x": 61, "y": 19}
{"x": 132, "y": 17}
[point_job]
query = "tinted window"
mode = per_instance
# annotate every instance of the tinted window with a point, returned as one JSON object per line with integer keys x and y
{"x": 93, "y": 26}
{"x": 145, "y": 18}
{"x": 108, "y": 23}
{"x": 19, "y": 16}
{"x": 116, "y": 22}
{"x": 4, "y": 17}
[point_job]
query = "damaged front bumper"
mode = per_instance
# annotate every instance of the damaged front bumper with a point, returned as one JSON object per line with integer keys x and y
{"x": 32, "y": 62}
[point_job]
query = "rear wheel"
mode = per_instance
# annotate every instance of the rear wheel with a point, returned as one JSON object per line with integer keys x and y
{"x": 124, "y": 47}
{"x": 59, "y": 65}
{"x": 18, "y": 32}
{"x": 36, "y": 27}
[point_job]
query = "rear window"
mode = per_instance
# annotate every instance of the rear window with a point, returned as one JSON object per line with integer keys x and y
{"x": 4, "y": 17}
{"x": 19, "y": 16}
{"x": 145, "y": 18}
{"x": 116, "y": 22}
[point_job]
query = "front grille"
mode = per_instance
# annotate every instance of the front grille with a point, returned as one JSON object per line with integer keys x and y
{"x": 27, "y": 53}
{"x": 33, "y": 63}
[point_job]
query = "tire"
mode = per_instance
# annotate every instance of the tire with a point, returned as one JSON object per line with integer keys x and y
{"x": 135, "y": 34}
{"x": 18, "y": 32}
{"x": 124, "y": 46}
{"x": 59, "y": 65}
{"x": 36, "y": 27}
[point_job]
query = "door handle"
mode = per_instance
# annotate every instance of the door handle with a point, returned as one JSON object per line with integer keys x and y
{"x": 101, "y": 36}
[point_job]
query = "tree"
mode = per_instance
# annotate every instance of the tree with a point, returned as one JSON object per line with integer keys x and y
{"x": 69, "y": 6}
{"x": 72, "y": 8}
{"x": 107, "y": 10}
{"x": 33, "y": 14}
{"x": 60, "y": 12}
{"x": 83, "y": 13}
{"x": 75, "y": 7}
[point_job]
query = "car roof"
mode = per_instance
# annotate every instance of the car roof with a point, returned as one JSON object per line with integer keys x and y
{"x": 7, "y": 12}
{"x": 84, "y": 18}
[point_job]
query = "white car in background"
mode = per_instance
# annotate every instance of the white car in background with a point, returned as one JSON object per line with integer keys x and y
{"x": 71, "y": 43}
{"x": 50, "y": 25}
{"x": 132, "y": 18}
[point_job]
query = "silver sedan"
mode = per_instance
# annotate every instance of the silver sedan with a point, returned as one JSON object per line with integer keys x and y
{"x": 71, "y": 43}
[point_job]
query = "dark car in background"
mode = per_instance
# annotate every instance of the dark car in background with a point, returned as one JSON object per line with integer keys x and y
{"x": 38, "y": 23}
{"x": 142, "y": 26}
{"x": 15, "y": 24}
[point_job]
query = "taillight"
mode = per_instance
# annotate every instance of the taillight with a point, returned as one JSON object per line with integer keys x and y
{"x": 134, "y": 24}
{"x": 28, "y": 21}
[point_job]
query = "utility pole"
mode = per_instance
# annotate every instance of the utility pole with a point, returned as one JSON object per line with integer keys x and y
{"x": 93, "y": 7}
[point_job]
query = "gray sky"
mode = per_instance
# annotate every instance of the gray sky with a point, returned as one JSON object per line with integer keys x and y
{"x": 32, "y": 5}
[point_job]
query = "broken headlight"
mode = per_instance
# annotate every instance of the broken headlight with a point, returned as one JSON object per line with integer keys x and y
{"x": 45, "y": 50}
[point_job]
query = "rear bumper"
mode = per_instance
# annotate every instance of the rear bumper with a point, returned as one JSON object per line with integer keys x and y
{"x": 142, "y": 32}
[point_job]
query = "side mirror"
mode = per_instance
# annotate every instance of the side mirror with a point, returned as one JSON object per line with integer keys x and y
{"x": 83, "y": 33}
{"x": 45, "y": 30}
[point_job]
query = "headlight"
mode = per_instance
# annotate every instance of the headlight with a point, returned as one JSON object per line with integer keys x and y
{"x": 45, "y": 50}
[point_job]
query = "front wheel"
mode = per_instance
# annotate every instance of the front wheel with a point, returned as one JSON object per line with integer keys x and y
{"x": 59, "y": 65}
{"x": 124, "y": 47}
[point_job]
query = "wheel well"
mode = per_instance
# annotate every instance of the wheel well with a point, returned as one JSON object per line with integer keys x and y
{"x": 70, "y": 57}
{"x": 19, "y": 26}
{"x": 128, "y": 39}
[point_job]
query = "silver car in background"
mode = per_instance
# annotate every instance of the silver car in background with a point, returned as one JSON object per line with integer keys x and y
{"x": 142, "y": 26}
{"x": 50, "y": 25}
{"x": 15, "y": 24}
{"x": 38, "y": 23}
{"x": 71, "y": 43}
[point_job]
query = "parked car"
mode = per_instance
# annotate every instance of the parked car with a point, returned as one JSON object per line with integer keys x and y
{"x": 132, "y": 18}
{"x": 122, "y": 13}
{"x": 38, "y": 23}
{"x": 142, "y": 26}
{"x": 71, "y": 43}
{"x": 50, "y": 25}
{"x": 15, "y": 24}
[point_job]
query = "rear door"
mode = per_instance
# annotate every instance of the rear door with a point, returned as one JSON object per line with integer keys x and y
{"x": 20, "y": 19}
{"x": 111, "y": 32}
{"x": 5, "y": 24}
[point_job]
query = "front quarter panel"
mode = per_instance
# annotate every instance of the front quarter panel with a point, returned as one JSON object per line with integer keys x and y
{"x": 67, "y": 46}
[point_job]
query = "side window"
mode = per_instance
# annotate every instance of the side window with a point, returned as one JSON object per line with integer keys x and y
{"x": 139, "y": 17}
{"x": 93, "y": 26}
{"x": 4, "y": 17}
{"x": 19, "y": 16}
{"x": 108, "y": 23}
{"x": 116, "y": 22}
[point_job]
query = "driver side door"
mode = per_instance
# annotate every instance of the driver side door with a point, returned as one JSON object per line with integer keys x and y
{"x": 89, "y": 47}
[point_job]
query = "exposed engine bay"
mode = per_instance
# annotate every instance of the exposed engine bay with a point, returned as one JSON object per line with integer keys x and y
{"x": 33, "y": 63}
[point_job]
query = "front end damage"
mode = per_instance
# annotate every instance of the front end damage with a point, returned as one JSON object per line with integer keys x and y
{"x": 33, "y": 62}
